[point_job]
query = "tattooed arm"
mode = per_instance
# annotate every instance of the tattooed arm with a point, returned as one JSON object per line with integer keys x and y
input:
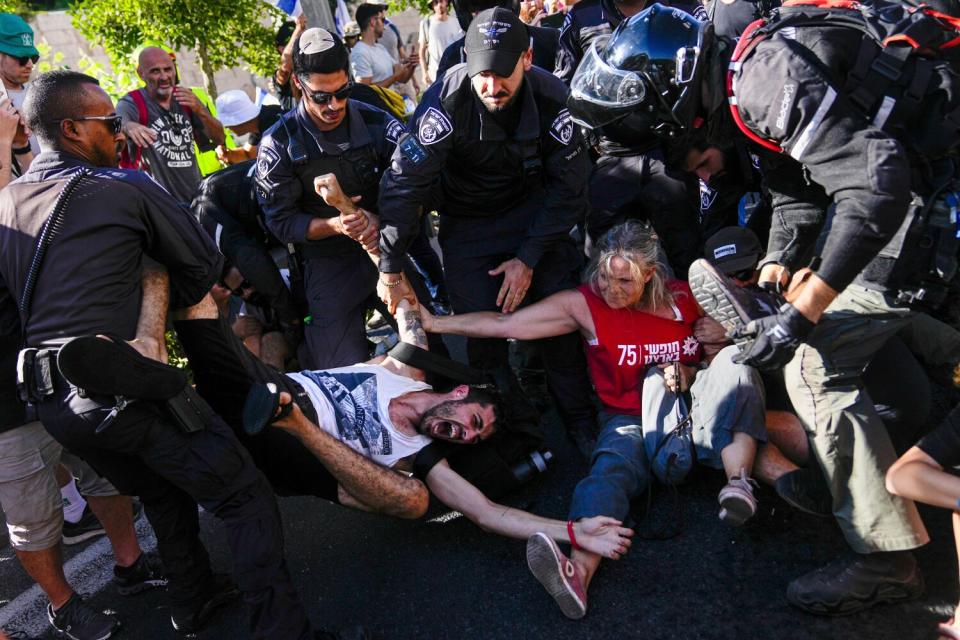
{"x": 410, "y": 326}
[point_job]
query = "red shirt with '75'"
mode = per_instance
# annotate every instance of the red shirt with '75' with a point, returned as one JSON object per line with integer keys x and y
{"x": 629, "y": 341}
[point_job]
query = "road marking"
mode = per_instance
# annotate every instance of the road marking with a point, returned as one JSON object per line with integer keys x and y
{"x": 87, "y": 572}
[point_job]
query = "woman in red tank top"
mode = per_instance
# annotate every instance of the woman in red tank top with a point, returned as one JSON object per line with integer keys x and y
{"x": 637, "y": 327}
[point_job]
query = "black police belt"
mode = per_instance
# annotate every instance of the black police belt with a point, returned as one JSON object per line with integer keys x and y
{"x": 36, "y": 375}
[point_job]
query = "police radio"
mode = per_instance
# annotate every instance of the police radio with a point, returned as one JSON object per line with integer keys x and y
{"x": 295, "y": 149}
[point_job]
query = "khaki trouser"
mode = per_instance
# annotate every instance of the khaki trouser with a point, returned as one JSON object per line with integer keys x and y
{"x": 848, "y": 439}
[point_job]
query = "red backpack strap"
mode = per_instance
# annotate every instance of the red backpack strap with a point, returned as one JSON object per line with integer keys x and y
{"x": 851, "y": 5}
{"x": 126, "y": 161}
{"x": 752, "y": 36}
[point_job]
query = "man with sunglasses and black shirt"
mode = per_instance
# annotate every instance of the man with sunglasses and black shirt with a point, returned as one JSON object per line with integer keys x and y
{"x": 103, "y": 274}
{"x": 327, "y": 133}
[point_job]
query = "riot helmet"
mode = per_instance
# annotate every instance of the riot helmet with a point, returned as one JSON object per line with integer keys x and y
{"x": 653, "y": 62}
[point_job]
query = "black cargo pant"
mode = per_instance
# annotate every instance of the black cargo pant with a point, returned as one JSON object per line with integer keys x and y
{"x": 474, "y": 246}
{"x": 640, "y": 187}
{"x": 143, "y": 454}
{"x": 225, "y": 371}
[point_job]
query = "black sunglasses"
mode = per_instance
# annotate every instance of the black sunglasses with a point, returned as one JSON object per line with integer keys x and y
{"x": 323, "y": 97}
{"x": 243, "y": 286}
{"x": 115, "y": 121}
{"x": 23, "y": 60}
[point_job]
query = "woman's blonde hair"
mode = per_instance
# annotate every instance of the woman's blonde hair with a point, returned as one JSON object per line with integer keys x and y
{"x": 636, "y": 243}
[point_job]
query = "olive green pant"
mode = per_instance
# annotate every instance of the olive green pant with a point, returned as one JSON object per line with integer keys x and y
{"x": 847, "y": 438}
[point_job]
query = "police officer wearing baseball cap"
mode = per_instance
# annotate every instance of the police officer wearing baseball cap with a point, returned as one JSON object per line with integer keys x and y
{"x": 327, "y": 133}
{"x": 493, "y": 150}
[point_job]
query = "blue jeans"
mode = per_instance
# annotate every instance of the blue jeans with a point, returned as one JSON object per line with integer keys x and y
{"x": 620, "y": 471}
{"x": 726, "y": 398}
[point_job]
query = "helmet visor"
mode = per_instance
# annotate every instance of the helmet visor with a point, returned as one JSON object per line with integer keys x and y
{"x": 604, "y": 91}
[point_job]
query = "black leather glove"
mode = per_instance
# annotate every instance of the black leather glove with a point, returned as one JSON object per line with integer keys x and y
{"x": 775, "y": 338}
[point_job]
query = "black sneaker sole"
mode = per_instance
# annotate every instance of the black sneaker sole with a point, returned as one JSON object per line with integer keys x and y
{"x": 82, "y": 536}
{"x": 798, "y": 505}
{"x": 890, "y": 593}
{"x": 140, "y": 587}
{"x": 107, "y": 367}
{"x": 709, "y": 288}
{"x": 210, "y": 607}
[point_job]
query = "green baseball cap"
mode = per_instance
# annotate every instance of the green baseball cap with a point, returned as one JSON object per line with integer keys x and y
{"x": 16, "y": 36}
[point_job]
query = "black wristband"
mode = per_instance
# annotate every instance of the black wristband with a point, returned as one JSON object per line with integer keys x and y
{"x": 21, "y": 151}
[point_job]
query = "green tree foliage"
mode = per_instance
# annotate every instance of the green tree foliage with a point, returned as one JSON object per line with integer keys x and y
{"x": 19, "y": 7}
{"x": 423, "y": 6}
{"x": 222, "y": 34}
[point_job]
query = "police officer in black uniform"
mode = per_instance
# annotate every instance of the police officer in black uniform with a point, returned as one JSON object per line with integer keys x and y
{"x": 492, "y": 147}
{"x": 111, "y": 224}
{"x": 227, "y": 207}
{"x": 872, "y": 129}
{"x": 327, "y": 133}
{"x": 631, "y": 178}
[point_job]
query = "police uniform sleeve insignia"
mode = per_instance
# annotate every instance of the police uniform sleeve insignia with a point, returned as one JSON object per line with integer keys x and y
{"x": 434, "y": 126}
{"x": 413, "y": 150}
{"x": 394, "y": 131}
{"x": 562, "y": 128}
{"x": 267, "y": 160}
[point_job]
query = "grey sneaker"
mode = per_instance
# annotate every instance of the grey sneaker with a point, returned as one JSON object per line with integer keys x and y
{"x": 737, "y": 502}
{"x": 855, "y": 582}
{"x": 730, "y": 305}
{"x": 79, "y": 621}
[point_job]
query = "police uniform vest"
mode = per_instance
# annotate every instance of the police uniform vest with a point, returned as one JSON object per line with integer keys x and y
{"x": 493, "y": 174}
{"x": 357, "y": 169}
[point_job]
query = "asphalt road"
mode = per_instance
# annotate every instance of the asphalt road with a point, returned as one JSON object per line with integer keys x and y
{"x": 430, "y": 580}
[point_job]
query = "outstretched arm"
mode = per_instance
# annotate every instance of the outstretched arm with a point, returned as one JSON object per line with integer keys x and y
{"x": 600, "y": 535}
{"x": 557, "y": 315}
{"x": 372, "y": 485}
{"x": 917, "y": 476}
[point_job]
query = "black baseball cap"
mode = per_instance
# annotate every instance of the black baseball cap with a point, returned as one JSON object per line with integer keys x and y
{"x": 733, "y": 249}
{"x": 496, "y": 38}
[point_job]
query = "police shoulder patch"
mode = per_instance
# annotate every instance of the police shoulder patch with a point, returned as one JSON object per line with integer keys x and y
{"x": 393, "y": 131}
{"x": 434, "y": 126}
{"x": 267, "y": 160}
{"x": 562, "y": 127}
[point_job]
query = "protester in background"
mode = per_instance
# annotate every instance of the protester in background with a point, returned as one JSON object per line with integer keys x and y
{"x": 18, "y": 55}
{"x": 239, "y": 114}
{"x": 393, "y": 43}
{"x": 161, "y": 121}
{"x": 281, "y": 84}
{"x": 437, "y": 32}
{"x": 371, "y": 62}
{"x": 15, "y": 151}
{"x": 351, "y": 34}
